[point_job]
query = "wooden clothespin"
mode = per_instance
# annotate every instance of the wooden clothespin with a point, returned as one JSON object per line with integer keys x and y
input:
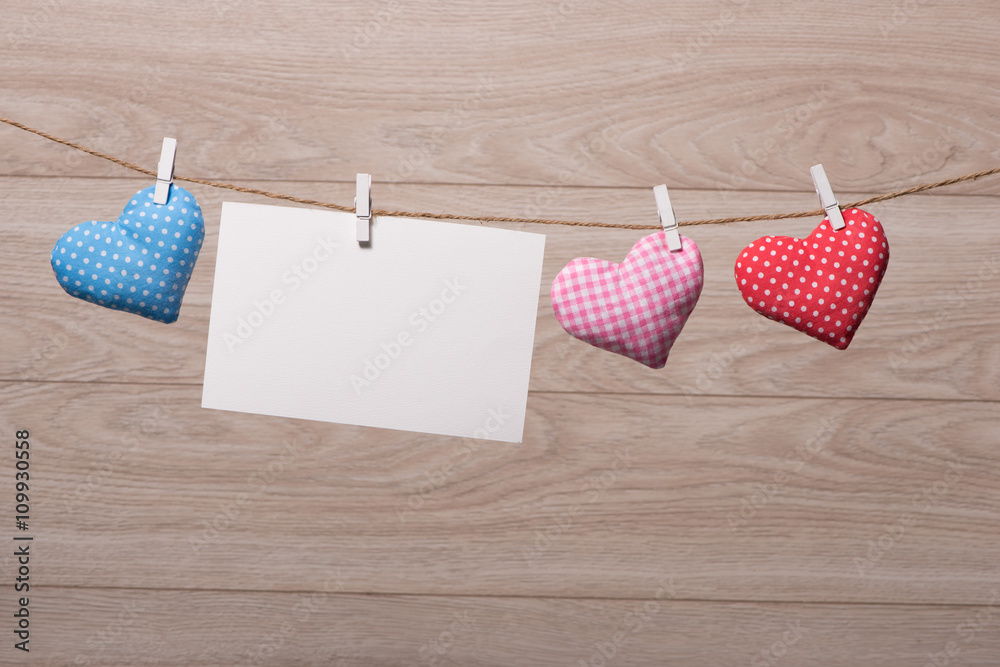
{"x": 363, "y": 207}
{"x": 667, "y": 218}
{"x": 826, "y": 197}
{"x": 165, "y": 171}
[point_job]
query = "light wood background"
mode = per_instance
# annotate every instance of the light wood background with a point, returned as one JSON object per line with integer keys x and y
{"x": 765, "y": 469}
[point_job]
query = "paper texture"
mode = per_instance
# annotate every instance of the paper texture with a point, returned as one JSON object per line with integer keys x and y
{"x": 429, "y": 328}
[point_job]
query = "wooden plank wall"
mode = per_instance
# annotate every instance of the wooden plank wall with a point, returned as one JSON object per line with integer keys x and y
{"x": 775, "y": 501}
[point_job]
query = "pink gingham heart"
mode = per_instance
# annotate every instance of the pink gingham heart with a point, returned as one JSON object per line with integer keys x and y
{"x": 636, "y": 308}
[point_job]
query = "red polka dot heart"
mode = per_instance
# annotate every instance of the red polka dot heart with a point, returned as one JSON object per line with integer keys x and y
{"x": 822, "y": 285}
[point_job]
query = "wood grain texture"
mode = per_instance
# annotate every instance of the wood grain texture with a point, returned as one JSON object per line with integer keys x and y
{"x": 746, "y": 499}
{"x": 126, "y": 627}
{"x": 744, "y": 95}
{"x": 769, "y": 479}
{"x": 931, "y": 332}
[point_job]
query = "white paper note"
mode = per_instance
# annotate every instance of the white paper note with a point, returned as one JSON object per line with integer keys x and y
{"x": 429, "y": 328}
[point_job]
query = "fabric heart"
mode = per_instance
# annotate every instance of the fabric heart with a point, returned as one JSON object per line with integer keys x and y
{"x": 636, "y": 308}
{"x": 822, "y": 285}
{"x": 140, "y": 264}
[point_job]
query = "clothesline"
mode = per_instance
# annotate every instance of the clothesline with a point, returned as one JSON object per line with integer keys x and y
{"x": 536, "y": 221}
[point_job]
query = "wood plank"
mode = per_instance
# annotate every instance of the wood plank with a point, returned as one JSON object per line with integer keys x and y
{"x": 689, "y": 93}
{"x": 742, "y": 499}
{"x": 770, "y": 480}
{"x": 128, "y": 627}
{"x": 930, "y": 333}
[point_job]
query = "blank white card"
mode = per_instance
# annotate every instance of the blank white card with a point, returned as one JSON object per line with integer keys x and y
{"x": 428, "y": 328}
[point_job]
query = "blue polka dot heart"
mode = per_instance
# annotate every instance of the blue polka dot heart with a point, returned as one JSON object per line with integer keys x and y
{"x": 141, "y": 263}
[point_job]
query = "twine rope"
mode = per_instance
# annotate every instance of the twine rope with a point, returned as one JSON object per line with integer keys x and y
{"x": 535, "y": 221}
